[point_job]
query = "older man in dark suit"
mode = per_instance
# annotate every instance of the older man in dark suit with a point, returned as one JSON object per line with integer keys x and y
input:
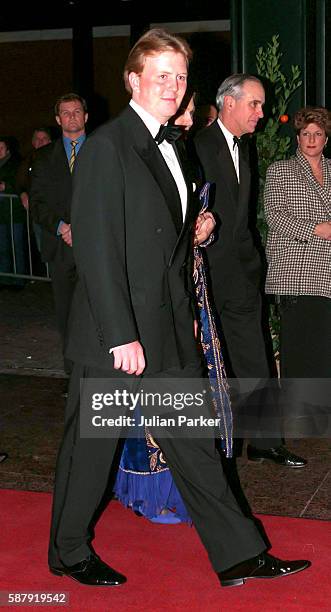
{"x": 132, "y": 220}
{"x": 234, "y": 262}
{"x": 50, "y": 202}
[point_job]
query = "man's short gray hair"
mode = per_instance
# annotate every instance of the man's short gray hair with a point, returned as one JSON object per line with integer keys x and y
{"x": 232, "y": 86}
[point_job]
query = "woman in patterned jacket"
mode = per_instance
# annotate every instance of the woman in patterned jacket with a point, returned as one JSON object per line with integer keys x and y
{"x": 297, "y": 202}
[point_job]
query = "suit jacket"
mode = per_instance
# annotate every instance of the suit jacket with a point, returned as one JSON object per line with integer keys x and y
{"x": 299, "y": 263}
{"x": 50, "y": 198}
{"x": 132, "y": 251}
{"x": 233, "y": 259}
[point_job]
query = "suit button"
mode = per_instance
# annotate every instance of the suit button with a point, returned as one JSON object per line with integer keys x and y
{"x": 158, "y": 230}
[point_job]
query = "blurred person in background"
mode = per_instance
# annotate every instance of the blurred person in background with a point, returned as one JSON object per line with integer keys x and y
{"x": 205, "y": 114}
{"x": 41, "y": 136}
{"x": 12, "y": 241}
{"x": 50, "y": 203}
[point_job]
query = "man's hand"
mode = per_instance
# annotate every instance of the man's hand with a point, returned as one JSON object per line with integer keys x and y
{"x": 25, "y": 200}
{"x": 204, "y": 226}
{"x": 323, "y": 230}
{"x": 65, "y": 232}
{"x": 130, "y": 358}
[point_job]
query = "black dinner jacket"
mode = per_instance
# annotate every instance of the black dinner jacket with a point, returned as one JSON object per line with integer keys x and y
{"x": 233, "y": 254}
{"x": 50, "y": 197}
{"x": 132, "y": 251}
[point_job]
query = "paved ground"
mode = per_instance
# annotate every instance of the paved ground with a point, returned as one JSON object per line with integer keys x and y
{"x": 29, "y": 340}
{"x": 32, "y": 384}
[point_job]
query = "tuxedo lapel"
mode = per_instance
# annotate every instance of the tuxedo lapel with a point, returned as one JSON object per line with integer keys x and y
{"x": 245, "y": 180}
{"x": 190, "y": 180}
{"x": 140, "y": 138}
{"x": 239, "y": 191}
{"x": 157, "y": 166}
{"x": 226, "y": 164}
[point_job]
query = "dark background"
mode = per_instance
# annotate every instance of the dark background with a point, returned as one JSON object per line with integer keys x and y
{"x": 36, "y": 67}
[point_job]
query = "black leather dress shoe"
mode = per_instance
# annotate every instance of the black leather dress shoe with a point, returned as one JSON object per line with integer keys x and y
{"x": 91, "y": 571}
{"x": 262, "y": 566}
{"x": 280, "y": 455}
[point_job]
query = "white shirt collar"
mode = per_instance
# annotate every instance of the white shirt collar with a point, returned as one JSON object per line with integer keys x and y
{"x": 234, "y": 151}
{"x": 167, "y": 151}
{"x": 227, "y": 134}
{"x": 152, "y": 124}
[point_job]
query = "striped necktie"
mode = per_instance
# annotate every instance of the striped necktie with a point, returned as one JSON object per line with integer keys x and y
{"x": 73, "y": 143}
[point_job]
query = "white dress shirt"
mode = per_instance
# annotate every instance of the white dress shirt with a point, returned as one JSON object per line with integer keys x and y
{"x": 233, "y": 149}
{"x": 167, "y": 151}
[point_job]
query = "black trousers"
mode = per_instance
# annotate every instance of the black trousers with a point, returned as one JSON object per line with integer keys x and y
{"x": 64, "y": 276}
{"x": 305, "y": 336}
{"x": 241, "y": 324}
{"x": 82, "y": 473}
{"x": 305, "y": 360}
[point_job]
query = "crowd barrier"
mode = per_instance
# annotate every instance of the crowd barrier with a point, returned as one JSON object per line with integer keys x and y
{"x": 19, "y": 242}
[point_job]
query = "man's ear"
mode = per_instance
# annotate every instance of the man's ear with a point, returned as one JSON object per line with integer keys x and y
{"x": 134, "y": 80}
{"x": 229, "y": 102}
{"x": 58, "y": 120}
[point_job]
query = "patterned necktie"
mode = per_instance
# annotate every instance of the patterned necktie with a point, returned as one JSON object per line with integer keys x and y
{"x": 74, "y": 143}
{"x": 170, "y": 133}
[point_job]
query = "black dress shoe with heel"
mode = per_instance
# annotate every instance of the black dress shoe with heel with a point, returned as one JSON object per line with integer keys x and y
{"x": 261, "y": 566}
{"x": 280, "y": 455}
{"x": 91, "y": 571}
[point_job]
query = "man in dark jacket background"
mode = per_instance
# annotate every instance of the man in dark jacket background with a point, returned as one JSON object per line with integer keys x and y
{"x": 50, "y": 202}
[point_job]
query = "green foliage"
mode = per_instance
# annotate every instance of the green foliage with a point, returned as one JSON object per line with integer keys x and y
{"x": 271, "y": 144}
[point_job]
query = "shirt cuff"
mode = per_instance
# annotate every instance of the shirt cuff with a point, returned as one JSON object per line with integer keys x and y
{"x": 58, "y": 233}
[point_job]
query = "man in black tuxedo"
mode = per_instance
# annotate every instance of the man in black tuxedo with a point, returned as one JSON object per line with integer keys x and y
{"x": 234, "y": 262}
{"x": 50, "y": 203}
{"x": 132, "y": 221}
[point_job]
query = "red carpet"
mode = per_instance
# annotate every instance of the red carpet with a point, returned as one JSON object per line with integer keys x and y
{"x": 167, "y": 567}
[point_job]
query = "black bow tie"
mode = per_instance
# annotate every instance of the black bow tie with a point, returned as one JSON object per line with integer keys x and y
{"x": 170, "y": 133}
{"x": 236, "y": 141}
